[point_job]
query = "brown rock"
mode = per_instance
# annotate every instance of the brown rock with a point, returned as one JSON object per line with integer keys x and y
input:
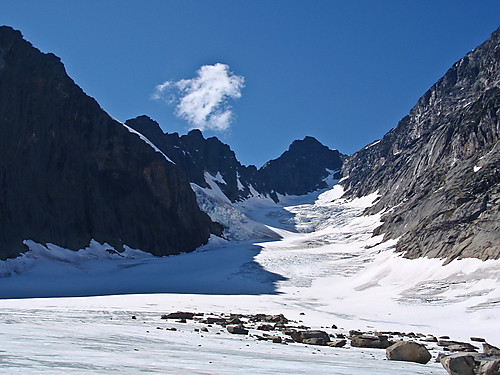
{"x": 300, "y": 336}
{"x": 337, "y": 343}
{"x": 178, "y": 315}
{"x": 408, "y": 351}
{"x": 314, "y": 341}
{"x": 237, "y": 330}
{"x": 490, "y": 349}
{"x": 477, "y": 339}
{"x": 460, "y": 364}
{"x": 368, "y": 341}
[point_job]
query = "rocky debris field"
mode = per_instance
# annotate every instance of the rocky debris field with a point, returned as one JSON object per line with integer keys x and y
{"x": 458, "y": 358}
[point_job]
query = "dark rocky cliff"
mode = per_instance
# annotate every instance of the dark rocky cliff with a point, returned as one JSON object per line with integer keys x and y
{"x": 301, "y": 169}
{"x": 196, "y": 155}
{"x": 297, "y": 171}
{"x": 438, "y": 171}
{"x": 69, "y": 173}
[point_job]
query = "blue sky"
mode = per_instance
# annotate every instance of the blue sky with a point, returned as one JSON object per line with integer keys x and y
{"x": 343, "y": 71}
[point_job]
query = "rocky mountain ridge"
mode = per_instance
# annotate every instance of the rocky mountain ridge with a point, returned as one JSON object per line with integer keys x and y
{"x": 299, "y": 170}
{"x": 69, "y": 173}
{"x": 438, "y": 171}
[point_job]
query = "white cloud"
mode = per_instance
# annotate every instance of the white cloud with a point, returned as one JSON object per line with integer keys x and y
{"x": 203, "y": 101}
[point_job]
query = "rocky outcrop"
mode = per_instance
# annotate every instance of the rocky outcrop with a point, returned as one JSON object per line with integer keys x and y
{"x": 438, "y": 171}
{"x": 299, "y": 170}
{"x": 69, "y": 173}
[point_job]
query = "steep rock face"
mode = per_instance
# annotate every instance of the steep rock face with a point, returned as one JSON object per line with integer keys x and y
{"x": 438, "y": 171}
{"x": 69, "y": 173}
{"x": 301, "y": 169}
{"x": 297, "y": 171}
{"x": 196, "y": 155}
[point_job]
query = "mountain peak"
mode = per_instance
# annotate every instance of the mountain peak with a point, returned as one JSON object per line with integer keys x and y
{"x": 10, "y": 32}
{"x": 306, "y": 145}
{"x": 196, "y": 133}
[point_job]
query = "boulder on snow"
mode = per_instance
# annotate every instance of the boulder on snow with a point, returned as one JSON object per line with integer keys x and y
{"x": 457, "y": 346}
{"x": 237, "y": 330}
{"x": 265, "y": 327}
{"x": 368, "y": 341}
{"x": 471, "y": 364}
{"x": 461, "y": 348}
{"x": 337, "y": 343}
{"x": 408, "y": 351}
{"x": 315, "y": 341}
{"x": 460, "y": 364}
{"x": 301, "y": 336}
{"x": 178, "y": 315}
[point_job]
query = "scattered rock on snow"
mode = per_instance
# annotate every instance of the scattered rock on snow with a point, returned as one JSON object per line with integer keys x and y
{"x": 430, "y": 339}
{"x": 337, "y": 343}
{"x": 178, "y": 315}
{"x": 300, "y": 336}
{"x": 457, "y": 346}
{"x": 408, "y": 351}
{"x": 471, "y": 364}
{"x": 314, "y": 341}
{"x": 461, "y": 348}
{"x": 265, "y": 327}
{"x": 237, "y": 330}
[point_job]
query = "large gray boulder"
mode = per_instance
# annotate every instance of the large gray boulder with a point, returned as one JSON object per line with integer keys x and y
{"x": 409, "y": 351}
{"x": 471, "y": 364}
{"x": 460, "y": 364}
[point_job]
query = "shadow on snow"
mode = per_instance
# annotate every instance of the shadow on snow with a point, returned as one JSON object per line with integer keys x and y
{"x": 227, "y": 270}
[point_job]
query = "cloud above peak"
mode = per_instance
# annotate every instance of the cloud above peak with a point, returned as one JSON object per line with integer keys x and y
{"x": 203, "y": 100}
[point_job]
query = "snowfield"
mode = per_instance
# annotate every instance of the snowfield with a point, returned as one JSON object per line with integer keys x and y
{"x": 316, "y": 262}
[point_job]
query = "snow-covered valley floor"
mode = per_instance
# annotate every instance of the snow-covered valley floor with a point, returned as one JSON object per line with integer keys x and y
{"x": 325, "y": 269}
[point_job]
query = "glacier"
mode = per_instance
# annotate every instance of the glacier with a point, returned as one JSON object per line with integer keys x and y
{"x": 312, "y": 258}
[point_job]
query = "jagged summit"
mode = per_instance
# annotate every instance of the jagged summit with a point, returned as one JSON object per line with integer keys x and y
{"x": 438, "y": 171}
{"x": 297, "y": 171}
{"x": 300, "y": 169}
